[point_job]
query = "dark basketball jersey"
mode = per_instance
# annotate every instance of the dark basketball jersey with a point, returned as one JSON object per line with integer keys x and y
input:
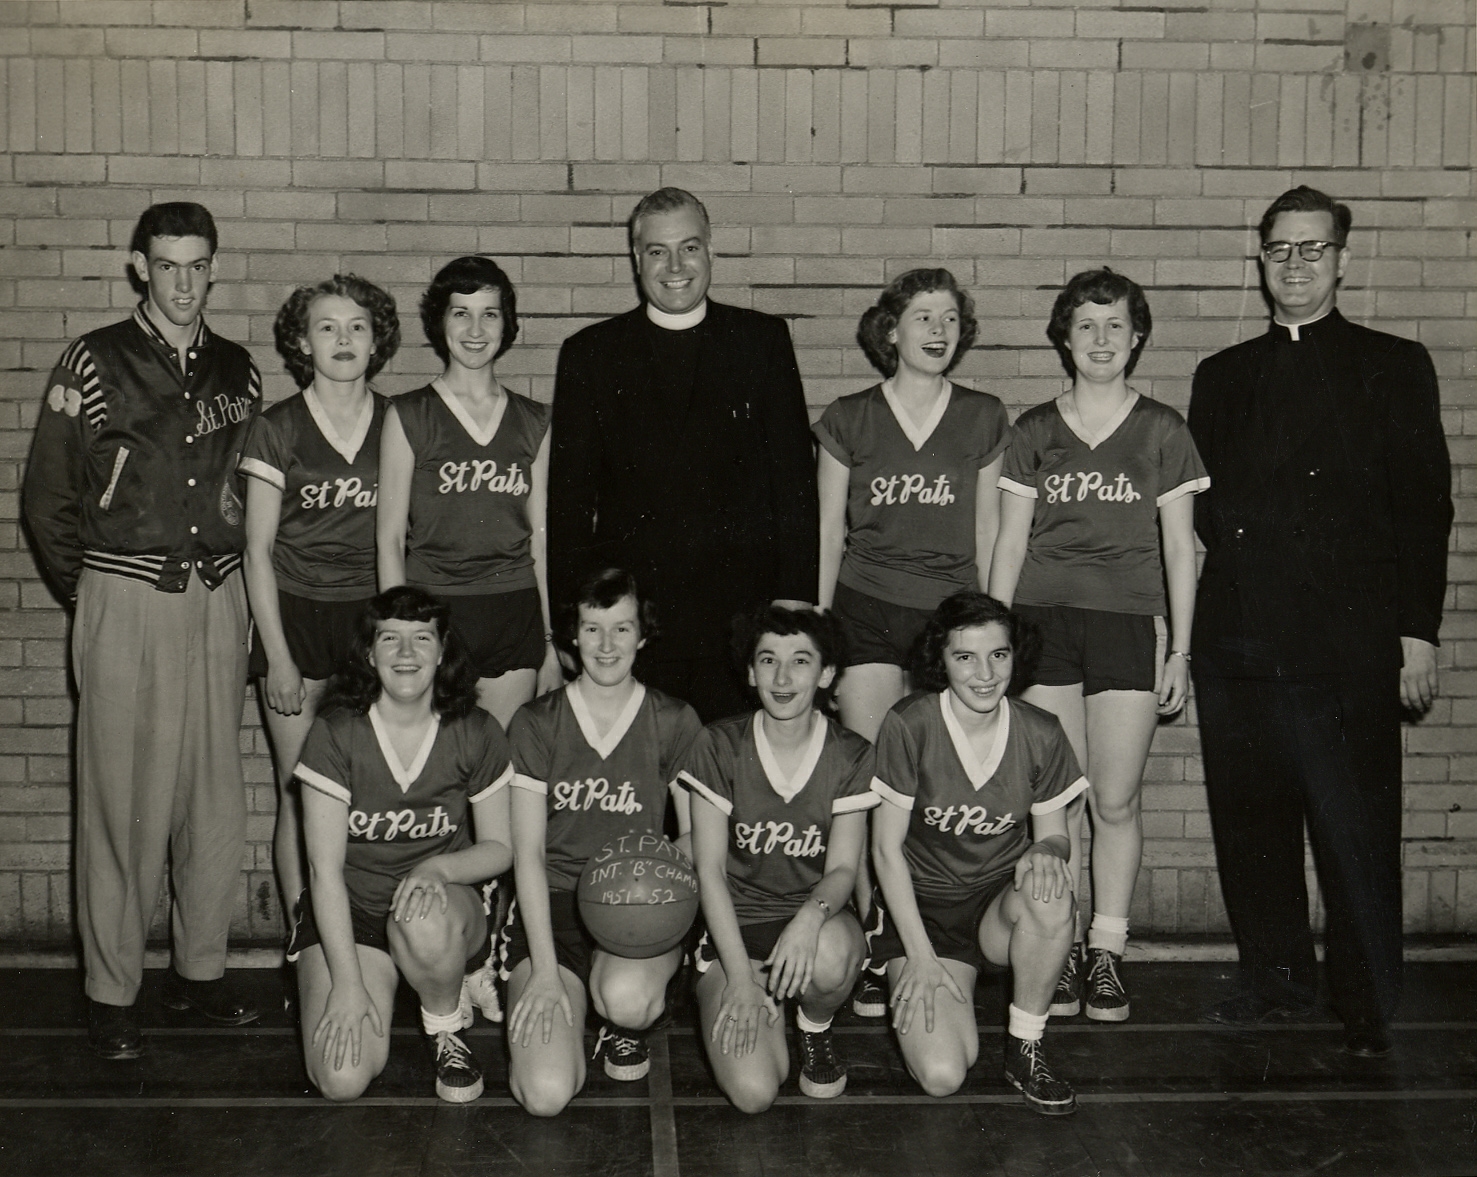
{"x": 401, "y": 815}
{"x": 969, "y": 818}
{"x": 1095, "y": 526}
{"x": 469, "y": 531}
{"x": 910, "y": 500}
{"x": 325, "y": 538}
{"x": 599, "y": 787}
{"x": 778, "y": 826}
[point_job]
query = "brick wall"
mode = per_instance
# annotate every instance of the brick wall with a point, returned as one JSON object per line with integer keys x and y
{"x": 836, "y": 143}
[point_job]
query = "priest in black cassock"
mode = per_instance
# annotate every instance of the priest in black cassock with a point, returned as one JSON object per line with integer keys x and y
{"x": 681, "y": 451}
{"x": 1316, "y": 623}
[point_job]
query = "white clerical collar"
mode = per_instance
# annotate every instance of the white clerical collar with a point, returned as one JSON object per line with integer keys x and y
{"x": 682, "y": 322}
{"x": 1293, "y": 328}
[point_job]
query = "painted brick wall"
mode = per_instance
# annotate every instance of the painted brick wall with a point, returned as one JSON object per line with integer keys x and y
{"x": 837, "y": 143}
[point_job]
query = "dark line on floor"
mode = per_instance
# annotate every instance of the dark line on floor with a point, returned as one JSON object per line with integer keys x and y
{"x": 663, "y": 1120}
{"x": 705, "y": 1101}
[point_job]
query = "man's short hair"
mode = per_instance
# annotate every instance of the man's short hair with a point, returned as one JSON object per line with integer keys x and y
{"x": 177, "y": 218}
{"x": 667, "y": 200}
{"x": 1303, "y": 199}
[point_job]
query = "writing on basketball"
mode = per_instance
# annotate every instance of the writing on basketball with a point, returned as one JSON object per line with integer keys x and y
{"x": 967, "y": 819}
{"x": 902, "y": 488}
{"x": 458, "y": 477}
{"x": 766, "y": 837}
{"x": 324, "y": 495}
{"x": 396, "y": 823}
{"x": 593, "y": 792}
{"x": 1060, "y": 488}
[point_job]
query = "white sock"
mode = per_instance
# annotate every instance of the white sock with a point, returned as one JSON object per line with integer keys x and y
{"x": 437, "y": 1023}
{"x": 1027, "y": 1027}
{"x": 1110, "y": 932}
{"x": 804, "y": 1023}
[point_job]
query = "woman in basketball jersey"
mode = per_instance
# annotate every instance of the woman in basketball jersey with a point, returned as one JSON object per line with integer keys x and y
{"x": 906, "y": 474}
{"x": 313, "y": 466}
{"x": 779, "y": 819}
{"x": 464, "y": 476}
{"x": 970, "y": 845}
{"x": 1092, "y": 481}
{"x": 595, "y": 760}
{"x": 398, "y": 768}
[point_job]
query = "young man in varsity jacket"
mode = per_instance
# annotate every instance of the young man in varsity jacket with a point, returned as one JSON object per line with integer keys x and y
{"x": 134, "y": 507}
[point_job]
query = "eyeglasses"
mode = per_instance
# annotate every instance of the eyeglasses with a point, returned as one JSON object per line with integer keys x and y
{"x": 1309, "y": 251}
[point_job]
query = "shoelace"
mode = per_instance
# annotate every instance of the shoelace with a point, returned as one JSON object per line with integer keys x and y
{"x": 613, "y": 1037}
{"x": 1036, "y": 1064}
{"x": 447, "y": 1043}
{"x": 1104, "y": 973}
{"x": 820, "y": 1051}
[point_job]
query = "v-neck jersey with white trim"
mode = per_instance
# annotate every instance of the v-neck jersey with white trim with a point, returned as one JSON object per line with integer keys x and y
{"x": 469, "y": 531}
{"x": 598, "y": 787}
{"x": 324, "y": 549}
{"x": 401, "y": 815}
{"x": 1094, "y": 540}
{"x": 910, "y": 517}
{"x": 969, "y": 818}
{"x": 778, "y": 826}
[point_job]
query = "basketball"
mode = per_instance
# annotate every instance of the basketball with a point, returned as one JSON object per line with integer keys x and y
{"x": 638, "y": 896}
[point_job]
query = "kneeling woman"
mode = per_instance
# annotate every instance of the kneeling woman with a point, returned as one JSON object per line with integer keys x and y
{"x": 397, "y": 769}
{"x": 779, "y": 818}
{"x": 594, "y": 761}
{"x": 964, "y": 878}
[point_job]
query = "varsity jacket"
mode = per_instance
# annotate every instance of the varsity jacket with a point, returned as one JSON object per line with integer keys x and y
{"x": 133, "y": 467}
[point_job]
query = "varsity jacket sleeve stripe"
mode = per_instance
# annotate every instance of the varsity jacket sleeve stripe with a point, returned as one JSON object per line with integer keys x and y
{"x": 55, "y": 474}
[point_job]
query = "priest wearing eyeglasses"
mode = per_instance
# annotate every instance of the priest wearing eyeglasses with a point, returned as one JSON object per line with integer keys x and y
{"x": 1315, "y": 625}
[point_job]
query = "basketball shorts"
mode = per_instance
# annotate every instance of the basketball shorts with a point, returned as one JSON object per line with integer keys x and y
{"x": 952, "y": 925}
{"x": 369, "y": 930}
{"x": 574, "y": 947}
{"x": 1102, "y": 651}
{"x": 320, "y": 635}
{"x": 759, "y": 942}
{"x": 500, "y": 631}
{"x": 874, "y": 630}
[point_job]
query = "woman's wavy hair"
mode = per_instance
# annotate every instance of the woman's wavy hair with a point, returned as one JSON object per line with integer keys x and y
{"x": 878, "y": 321}
{"x": 821, "y": 628}
{"x": 601, "y": 590}
{"x": 357, "y": 684}
{"x": 1103, "y": 287}
{"x": 467, "y": 275}
{"x": 291, "y": 327}
{"x": 965, "y": 610}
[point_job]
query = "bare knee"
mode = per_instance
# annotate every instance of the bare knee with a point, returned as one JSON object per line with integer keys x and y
{"x": 342, "y": 1085}
{"x": 427, "y": 941}
{"x": 1050, "y": 914}
{"x": 838, "y": 959}
{"x": 627, "y": 1003}
{"x": 543, "y": 1094}
{"x": 1117, "y": 813}
{"x": 939, "y": 1076}
{"x": 751, "y": 1093}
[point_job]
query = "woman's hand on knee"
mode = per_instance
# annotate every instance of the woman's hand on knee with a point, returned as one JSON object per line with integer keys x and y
{"x": 736, "y": 1026}
{"x": 340, "y": 1030}
{"x": 1047, "y": 870}
{"x": 541, "y": 999}
{"x": 791, "y": 963}
{"x": 419, "y": 892}
{"x": 918, "y": 985}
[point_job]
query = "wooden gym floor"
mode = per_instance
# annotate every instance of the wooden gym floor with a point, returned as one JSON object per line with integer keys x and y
{"x": 1160, "y": 1094}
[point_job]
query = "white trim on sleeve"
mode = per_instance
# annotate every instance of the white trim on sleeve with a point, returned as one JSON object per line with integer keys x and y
{"x": 1065, "y": 797}
{"x": 316, "y": 780}
{"x": 264, "y": 471}
{"x": 1191, "y": 486}
{"x": 504, "y": 779}
{"x": 532, "y": 784}
{"x": 855, "y": 802}
{"x": 891, "y": 795}
{"x": 1019, "y": 489}
{"x": 722, "y": 804}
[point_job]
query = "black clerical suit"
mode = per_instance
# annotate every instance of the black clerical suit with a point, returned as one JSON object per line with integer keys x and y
{"x": 685, "y": 456}
{"x": 1325, "y": 530}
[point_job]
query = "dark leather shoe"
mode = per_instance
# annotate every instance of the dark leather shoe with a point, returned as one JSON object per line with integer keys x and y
{"x": 112, "y": 1031}
{"x": 215, "y": 1000}
{"x": 1247, "y": 1010}
{"x": 1367, "y": 1039}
